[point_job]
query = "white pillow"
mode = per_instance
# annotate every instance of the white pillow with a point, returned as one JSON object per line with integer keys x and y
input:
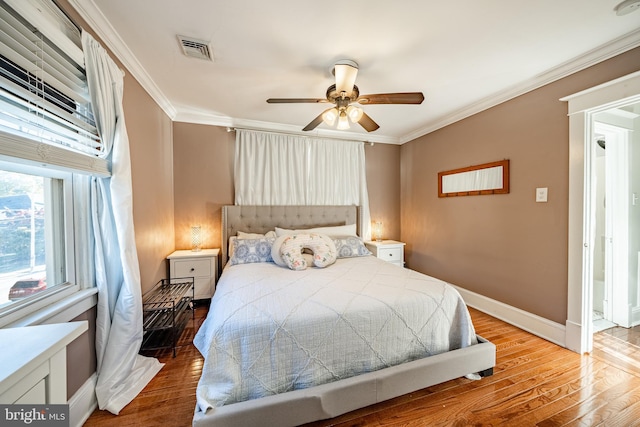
{"x": 275, "y": 251}
{"x": 243, "y": 235}
{"x": 232, "y": 246}
{"x": 339, "y": 230}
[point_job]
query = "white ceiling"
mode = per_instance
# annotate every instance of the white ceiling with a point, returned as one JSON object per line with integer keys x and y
{"x": 464, "y": 55}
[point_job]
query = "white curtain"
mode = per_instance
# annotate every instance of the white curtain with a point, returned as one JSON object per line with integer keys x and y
{"x": 279, "y": 169}
{"x": 122, "y": 372}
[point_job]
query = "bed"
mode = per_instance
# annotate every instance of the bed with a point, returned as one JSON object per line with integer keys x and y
{"x": 344, "y": 355}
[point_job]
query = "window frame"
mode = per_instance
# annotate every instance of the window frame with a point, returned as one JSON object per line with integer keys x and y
{"x": 28, "y": 306}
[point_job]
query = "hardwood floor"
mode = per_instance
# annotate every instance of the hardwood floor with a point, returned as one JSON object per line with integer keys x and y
{"x": 170, "y": 398}
{"x": 535, "y": 382}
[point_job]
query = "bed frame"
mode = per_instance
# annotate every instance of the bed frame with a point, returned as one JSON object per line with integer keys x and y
{"x": 330, "y": 400}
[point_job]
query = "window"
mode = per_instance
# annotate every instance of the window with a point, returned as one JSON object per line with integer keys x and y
{"x": 34, "y": 236}
{"x": 47, "y": 135}
{"x": 43, "y": 87}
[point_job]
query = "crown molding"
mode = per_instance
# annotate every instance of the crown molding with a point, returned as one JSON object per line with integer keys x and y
{"x": 609, "y": 50}
{"x": 319, "y": 133}
{"x": 103, "y": 29}
{"x": 204, "y": 118}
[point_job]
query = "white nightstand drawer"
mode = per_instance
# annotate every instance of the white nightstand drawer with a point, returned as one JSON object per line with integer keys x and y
{"x": 390, "y": 254}
{"x": 192, "y": 268}
{"x": 389, "y": 250}
{"x": 201, "y": 265}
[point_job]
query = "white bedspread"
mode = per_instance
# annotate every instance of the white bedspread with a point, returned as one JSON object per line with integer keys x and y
{"x": 270, "y": 329}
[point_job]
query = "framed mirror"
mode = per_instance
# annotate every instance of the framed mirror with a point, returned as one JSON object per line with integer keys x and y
{"x": 488, "y": 178}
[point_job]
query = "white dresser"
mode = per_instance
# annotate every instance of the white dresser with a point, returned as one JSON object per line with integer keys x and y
{"x": 201, "y": 265}
{"x": 388, "y": 250}
{"x": 33, "y": 362}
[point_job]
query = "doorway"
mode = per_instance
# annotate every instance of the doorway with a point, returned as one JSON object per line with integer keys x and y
{"x": 612, "y": 162}
{"x": 583, "y": 108}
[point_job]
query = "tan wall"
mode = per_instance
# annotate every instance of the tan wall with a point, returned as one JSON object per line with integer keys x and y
{"x": 203, "y": 181}
{"x": 203, "y": 169}
{"x": 383, "y": 182}
{"x": 81, "y": 354}
{"x": 151, "y": 148}
{"x": 506, "y": 247}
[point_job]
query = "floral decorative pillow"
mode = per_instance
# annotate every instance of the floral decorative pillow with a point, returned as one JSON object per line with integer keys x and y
{"x": 349, "y": 246}
{"x": 248, "y": 251}
{"x": 287, "y": 251}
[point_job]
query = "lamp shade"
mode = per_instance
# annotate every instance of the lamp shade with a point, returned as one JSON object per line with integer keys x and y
{"x": 355, "y": 113}
{"x": 377, "y": 230}
{"x": 343, "y": 121}
{"x": 346, "y": 73}
{"x": 196, "y": 238}
{"x": 330, "y": 116}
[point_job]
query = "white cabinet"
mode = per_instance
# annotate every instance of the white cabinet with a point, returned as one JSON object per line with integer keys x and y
{"x": 388, "y": 250}
{"x": 201, "y": 265}
{"x": 33, "y": 363}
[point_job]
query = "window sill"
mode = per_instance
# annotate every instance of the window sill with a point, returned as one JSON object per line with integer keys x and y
{"x": 61, "y": 311}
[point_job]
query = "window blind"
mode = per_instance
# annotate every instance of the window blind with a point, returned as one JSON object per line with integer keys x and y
{"x": 43, "y": 88}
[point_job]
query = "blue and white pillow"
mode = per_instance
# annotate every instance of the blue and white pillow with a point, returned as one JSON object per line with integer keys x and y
{"x": 248, "y": 251}
{"x": 350, "y": 246}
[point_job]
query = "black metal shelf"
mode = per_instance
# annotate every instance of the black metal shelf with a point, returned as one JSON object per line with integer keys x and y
{"x": 165, "y": 312}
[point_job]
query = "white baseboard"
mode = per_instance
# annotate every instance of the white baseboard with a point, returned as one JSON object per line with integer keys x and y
{"x": 83, "y": 402}
{"x": 544, "y": 328}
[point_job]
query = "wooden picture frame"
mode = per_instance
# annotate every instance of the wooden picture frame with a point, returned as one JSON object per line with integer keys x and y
{"x": 478, "y": 180}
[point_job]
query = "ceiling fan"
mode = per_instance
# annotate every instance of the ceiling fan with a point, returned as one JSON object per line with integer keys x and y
{"x": 345, "y": 95}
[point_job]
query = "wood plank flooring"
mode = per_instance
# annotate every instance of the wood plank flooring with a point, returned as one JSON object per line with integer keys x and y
{"x": 535, "y": 383}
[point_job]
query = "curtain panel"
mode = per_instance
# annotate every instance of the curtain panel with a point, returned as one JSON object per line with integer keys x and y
{"x": 122, "y": 372}
{"x": 280, "y": 169}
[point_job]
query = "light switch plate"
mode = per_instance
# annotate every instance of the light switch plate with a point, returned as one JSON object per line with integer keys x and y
{"x": 541, "y": 194}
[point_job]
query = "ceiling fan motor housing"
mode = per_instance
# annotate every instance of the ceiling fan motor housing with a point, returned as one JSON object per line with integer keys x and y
{"x": 335, "y": 97}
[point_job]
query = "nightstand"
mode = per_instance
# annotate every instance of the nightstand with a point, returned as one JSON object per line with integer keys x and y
{"x": 388, "y": 250}
{"x": 201, "y": 265}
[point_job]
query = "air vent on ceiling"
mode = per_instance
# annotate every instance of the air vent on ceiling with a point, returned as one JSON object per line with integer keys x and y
{"x": 195, "y": 48}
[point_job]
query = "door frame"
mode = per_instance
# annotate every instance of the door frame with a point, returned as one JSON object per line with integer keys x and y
{"x": 581, "y": 108}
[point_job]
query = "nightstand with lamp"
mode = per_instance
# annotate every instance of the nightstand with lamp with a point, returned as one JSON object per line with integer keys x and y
{"x": 389, "y": 250}
{"x": 201, "y": 264}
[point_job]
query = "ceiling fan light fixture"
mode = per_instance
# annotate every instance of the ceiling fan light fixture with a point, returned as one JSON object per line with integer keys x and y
{"x": 330, "y": 116}
{"x": 355, "y": 113}
{"x": 346, "y": 72}
{"x": 344, "y": 94}
{"x": 343, "y": 121}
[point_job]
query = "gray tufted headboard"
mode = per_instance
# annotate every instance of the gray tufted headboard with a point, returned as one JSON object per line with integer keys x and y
{"x": 260, "y": 219}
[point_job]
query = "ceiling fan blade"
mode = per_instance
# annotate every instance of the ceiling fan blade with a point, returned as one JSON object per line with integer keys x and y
{"x": 345, "y": 72}
{"x": 295, "y": 100}
{"x": 392, "y": 98}
{"x": 367, "y": 123}
{"x": 315, "y": 122}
